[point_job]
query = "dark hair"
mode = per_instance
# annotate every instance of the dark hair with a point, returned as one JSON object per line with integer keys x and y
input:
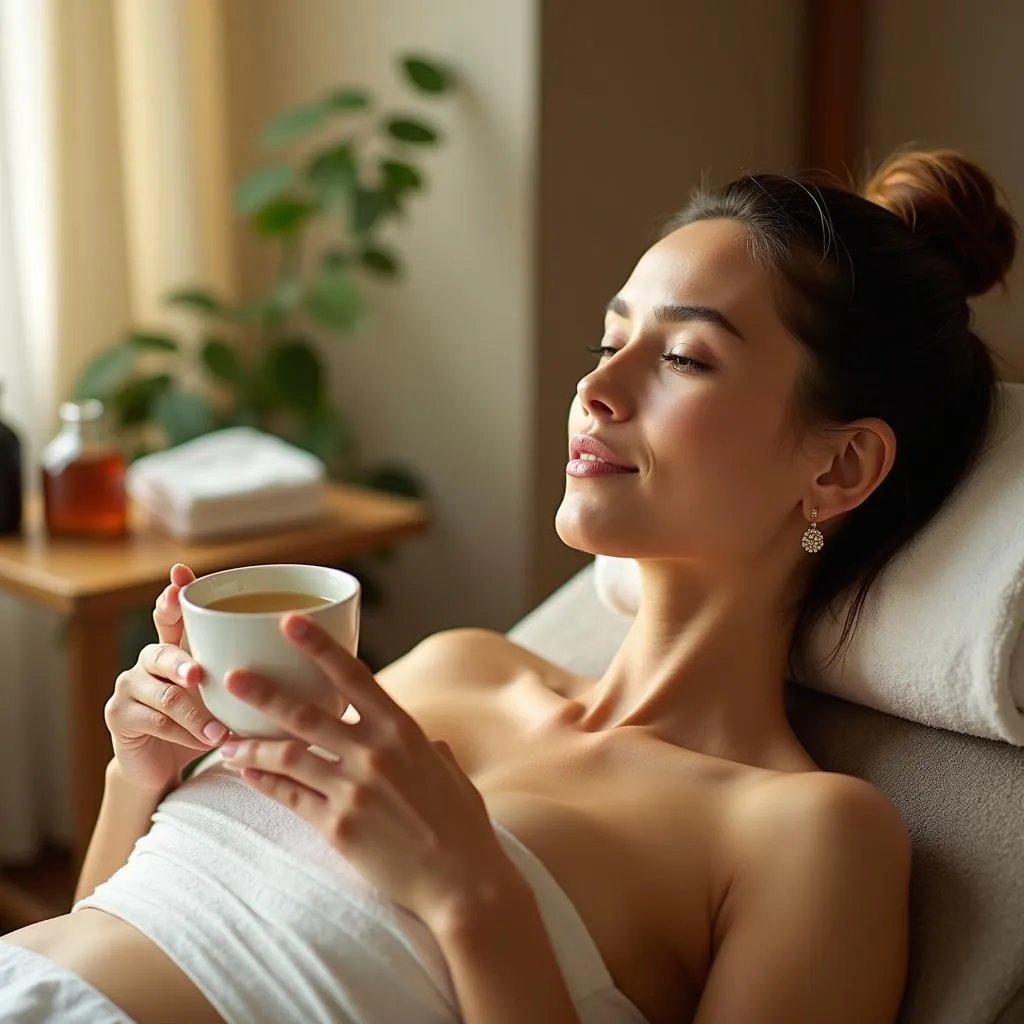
{"x": 875, "y": 285}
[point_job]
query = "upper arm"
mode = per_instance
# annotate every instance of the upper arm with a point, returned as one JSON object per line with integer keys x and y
{"x": 816, "y": 929}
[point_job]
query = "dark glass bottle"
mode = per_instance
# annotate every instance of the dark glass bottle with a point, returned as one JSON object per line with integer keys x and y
{"x": 11, "y": 482}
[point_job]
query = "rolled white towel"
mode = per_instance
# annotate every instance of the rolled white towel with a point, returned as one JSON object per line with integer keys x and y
{"x": 941, "y": 637}
{"x": 231, "y": 481}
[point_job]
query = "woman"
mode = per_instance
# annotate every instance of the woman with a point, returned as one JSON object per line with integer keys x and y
{"x": 787, "y": 390}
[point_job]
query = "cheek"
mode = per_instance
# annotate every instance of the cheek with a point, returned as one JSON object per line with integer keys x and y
{"x": 722, "y": 458}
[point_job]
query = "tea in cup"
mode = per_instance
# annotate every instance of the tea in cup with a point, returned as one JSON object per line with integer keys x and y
{"x": 232, "y": 621}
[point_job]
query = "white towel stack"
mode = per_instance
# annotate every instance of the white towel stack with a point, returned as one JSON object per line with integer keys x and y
{"x": 233, "y": 481}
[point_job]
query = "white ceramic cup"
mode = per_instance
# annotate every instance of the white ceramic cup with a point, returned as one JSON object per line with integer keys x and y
{"x": 224, "y": 640}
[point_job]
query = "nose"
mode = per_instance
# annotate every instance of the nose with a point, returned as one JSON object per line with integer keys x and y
{"x": 601, "y": 397}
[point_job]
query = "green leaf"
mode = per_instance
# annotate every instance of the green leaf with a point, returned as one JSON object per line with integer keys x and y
{"x": 195, "y": 298}
{"x": 292, "y": 123}
{"x": 105, "y": 373}
{"x": 298, "y": 377}
{"x": 400, "y": 176}
{"x": 222, "y": 361}
{"x": 135, "y": 402}
{"x": 367, "y": 207}
{"x": 380, "y": 261}
{"x": 151, "y": 342}
{"x": 184, "y": 415}
{"x": 426, "y": 75}
{"x": 247, "y": 312}
{"x": 283, "y": 298}
{"x": 394, "y": 479}
{"x": 332, "y": 173}
{"x": 333, "y": 258}
{"x": 326, "y": 435}
{"x": 351, "y": 98}
{"x": 334, "y": 300}
{"x": 270, "y": 308}
{"x": 408, "y": 129}
{"x": 262, "y": 185}
{"x": 282, "y": 216}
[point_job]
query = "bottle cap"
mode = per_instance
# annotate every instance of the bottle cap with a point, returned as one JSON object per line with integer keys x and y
{"x": 81, "y": 412}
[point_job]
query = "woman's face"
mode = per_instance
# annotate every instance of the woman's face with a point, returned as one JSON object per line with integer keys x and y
{"x": 693, "y": 391}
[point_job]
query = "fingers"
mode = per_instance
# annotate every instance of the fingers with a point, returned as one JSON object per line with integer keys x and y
{"x": 346, "y": 672}
{"x": 295, "y": 713}
{"x": 170, "y": 662}
{"x": 149, "y": 702}
{"x": 289, "y": 758}
{"x": 182, "y": 575}
{"x": 137, "y": 719}
{"x": 167, "y": 613}
{"x": 167, "y": 616}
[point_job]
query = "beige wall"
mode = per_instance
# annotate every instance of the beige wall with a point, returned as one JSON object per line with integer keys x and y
{"x": 949, "y": 73}
{"x": 580, "y": 129}
{"x": 439, "y": 379}
{"x": 635, "y": 108}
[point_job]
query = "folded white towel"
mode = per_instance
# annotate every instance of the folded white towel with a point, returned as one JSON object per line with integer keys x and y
{"x": 231, "y": 481}
{"x": 941, "y": 638}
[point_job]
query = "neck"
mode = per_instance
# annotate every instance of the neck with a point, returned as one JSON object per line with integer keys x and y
{"x": 703, "y": 665}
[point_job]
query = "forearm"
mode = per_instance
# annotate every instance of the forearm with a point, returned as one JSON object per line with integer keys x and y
{"x": 124, "y": 815}
{"x": 502, "y": 965}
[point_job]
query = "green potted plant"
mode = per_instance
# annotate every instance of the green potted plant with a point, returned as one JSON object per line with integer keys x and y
{"x": 259, "y": 362}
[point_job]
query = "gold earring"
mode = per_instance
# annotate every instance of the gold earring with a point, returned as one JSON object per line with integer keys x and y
{"x": 813, "y": 539}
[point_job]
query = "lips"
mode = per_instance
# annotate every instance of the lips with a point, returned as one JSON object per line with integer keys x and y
{"x": 586, "y": 444}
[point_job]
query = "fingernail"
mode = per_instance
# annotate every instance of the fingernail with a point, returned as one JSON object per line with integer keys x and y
{"x": 297, "y": 626}
{"x": 214, "y": 731}
{"x": 230, "y": 748}
{"x": 237, "y": 684}
{"x": 183, "y": 670}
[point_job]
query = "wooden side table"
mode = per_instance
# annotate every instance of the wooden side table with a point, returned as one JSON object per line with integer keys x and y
{"x": 92, "y": 582}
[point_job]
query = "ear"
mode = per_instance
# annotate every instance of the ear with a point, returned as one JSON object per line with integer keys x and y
{"x": 862, "y": 453}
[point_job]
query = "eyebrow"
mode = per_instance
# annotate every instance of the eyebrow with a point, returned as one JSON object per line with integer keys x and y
{"x": 676, "y": 313}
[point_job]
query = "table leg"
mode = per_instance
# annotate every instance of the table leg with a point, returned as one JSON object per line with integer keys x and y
{"x": 93, "y": 664}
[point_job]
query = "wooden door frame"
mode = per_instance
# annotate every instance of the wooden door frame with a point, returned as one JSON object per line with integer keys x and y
{"x": 833, "y": 137}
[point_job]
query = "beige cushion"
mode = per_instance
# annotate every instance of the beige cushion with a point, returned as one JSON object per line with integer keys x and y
{"x": 961, "y": 797}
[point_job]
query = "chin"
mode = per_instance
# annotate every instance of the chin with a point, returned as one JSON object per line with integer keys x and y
{"x": 596, "y": 530}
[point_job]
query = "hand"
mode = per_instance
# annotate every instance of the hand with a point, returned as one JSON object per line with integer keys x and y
{"x": 395, "y": 804}
{"x": 156, "y": 718}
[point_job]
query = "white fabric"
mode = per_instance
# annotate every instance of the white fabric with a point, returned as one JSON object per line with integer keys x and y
{"x": 273, "y": 925}
{"x": 941, "y": 640}
{"x": 230, "y": 481}
{"x": 34, "y": 990}
{"x": 33, "y": 797}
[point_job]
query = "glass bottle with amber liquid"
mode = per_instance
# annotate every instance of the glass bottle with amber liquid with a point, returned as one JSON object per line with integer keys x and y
{"x": 83, "y": 476}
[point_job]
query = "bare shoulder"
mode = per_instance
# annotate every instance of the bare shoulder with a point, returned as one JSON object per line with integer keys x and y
{"x": 452, "y": 657}
{"x": 826, "y": 819}
{"x": 452, "y": 647}
{"x": 817, "y": 908}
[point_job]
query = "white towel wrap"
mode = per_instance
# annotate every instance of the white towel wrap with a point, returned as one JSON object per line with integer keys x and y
{"x": 273, "y": 925}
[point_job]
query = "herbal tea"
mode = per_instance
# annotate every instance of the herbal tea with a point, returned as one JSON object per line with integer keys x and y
{"x": 268, "y": 601}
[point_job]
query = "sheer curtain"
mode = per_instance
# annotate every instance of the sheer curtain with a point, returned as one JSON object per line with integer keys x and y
{"x": 29, "y": 672}
{"x": 114, "y": 187}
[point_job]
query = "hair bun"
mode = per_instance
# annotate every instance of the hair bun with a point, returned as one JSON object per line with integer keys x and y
{"x": 951, "y": 202}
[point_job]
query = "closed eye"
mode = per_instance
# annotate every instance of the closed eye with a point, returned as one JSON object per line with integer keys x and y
{"x": 684, "y": 362}
{"x": 677, "y": 362}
